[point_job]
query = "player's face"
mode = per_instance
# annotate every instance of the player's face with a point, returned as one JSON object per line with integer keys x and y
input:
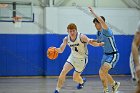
{"x": 72, "y": 32}
{"x": 98, "y": 26}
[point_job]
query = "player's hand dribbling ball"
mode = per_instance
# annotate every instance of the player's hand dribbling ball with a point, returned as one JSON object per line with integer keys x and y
{"x": 52, "y": 53}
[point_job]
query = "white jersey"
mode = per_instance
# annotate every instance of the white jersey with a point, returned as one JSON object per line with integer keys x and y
{"x": 78, "y": 48}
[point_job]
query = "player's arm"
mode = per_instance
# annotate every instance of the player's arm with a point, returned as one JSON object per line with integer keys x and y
{"x": 135, "y": 45}
{"x": 104, "y": 25}
{"x": 92, "y": 42}
{"x": 62, "y": 46}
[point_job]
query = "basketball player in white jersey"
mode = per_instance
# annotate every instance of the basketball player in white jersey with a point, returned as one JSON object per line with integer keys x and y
{"x": 78, "y": 57}
{"x": 135, "y": 54}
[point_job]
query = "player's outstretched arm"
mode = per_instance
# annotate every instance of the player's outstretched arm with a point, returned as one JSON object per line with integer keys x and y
{"x": 62, "y": 46}
{"x": 104, "y": 25}
{"x": 92, "y": 42}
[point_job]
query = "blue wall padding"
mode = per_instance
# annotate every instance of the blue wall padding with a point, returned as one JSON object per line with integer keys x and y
{"x": 25, "y": 55}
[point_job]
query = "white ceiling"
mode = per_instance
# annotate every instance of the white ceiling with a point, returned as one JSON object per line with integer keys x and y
{"x": 35, "y": 2}
{"x": 130, "y": 3}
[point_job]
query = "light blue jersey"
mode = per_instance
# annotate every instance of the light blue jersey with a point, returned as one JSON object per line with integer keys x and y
{"x": 107, "y": 37}
{"x": 111, "y": 54}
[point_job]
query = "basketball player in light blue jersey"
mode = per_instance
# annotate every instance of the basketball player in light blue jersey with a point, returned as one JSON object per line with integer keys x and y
{"x": 110, "y": 56}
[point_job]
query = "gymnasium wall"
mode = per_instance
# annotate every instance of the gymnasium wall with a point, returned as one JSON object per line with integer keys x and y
{"x": 121, "y": 20}
{"x": 23, "y": 50}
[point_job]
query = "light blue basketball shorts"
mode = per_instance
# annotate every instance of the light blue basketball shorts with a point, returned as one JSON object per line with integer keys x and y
{"x": 112, "y": 59}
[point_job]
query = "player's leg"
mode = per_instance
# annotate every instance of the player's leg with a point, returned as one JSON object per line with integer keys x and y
{"x": 77, "y": 78}
{"x": 138, "y": 89}
{"x": 138, "y": 72}
{"x": 110, "y": 79}
{"x": 67, "y": 67}
{"x": 132, "y": 68}
{"x": 111, "y": 62}
{"x": 115, "y": 84}
{"x": 138, "y": 76}
{"x": 103, "y": 76}
{"x": 106, "y": 67}
{"x": 79, "y": 67}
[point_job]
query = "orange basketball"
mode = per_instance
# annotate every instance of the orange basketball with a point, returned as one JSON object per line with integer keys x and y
{"x": 52, "y": 53}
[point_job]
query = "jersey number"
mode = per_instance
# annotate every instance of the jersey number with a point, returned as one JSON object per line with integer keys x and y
{"x": 76, "y": 49}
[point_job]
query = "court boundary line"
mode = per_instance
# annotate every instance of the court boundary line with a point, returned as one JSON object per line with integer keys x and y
{"x": 53, "y": 77}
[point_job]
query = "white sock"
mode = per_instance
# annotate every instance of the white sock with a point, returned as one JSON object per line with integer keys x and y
{"x": 58, "y": 89}
{"x": 105, "y": 89}
{"x": 113, "y": 83}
